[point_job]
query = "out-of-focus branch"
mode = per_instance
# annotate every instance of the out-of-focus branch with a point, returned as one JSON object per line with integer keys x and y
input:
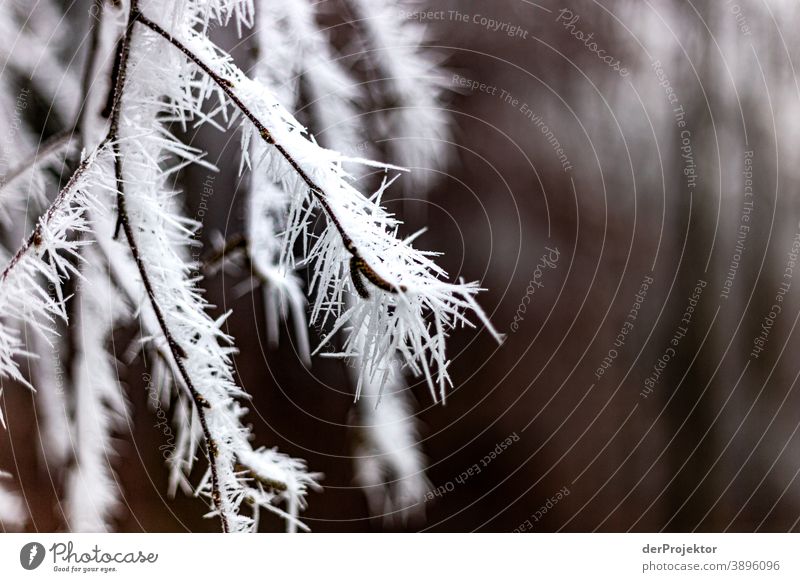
{"x": 51, "y": 146}
{"x": 177, "y": 351}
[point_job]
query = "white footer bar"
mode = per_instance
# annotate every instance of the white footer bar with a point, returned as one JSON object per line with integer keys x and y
{"x": 389, "y": 557}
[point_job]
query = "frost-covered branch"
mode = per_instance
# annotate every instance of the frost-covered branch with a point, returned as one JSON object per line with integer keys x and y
{"x": 360, "y": 239}
{"x": 48, "y": 376}
{"x": 178, "y": 352}
{"x": 390, "y": 300}
{"x": 60, "y": 143}
{"x": 31, "y": 35}
{"x": 268, "y": 203}
{"x": 290, "y": 47}
{"x": 319, "y": 195}
{"x": 45, "y": 258}
{"x": 390, "y": 467}
{"x": 388, "y": 457}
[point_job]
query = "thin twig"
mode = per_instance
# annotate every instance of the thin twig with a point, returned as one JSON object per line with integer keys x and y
{"x": 358, "y": 262}
{"x": 50, "y": 146}
{"x": 178, "y": 353}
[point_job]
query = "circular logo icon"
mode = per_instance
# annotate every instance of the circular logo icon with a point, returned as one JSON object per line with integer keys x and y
{"x": 31, "y": 555}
